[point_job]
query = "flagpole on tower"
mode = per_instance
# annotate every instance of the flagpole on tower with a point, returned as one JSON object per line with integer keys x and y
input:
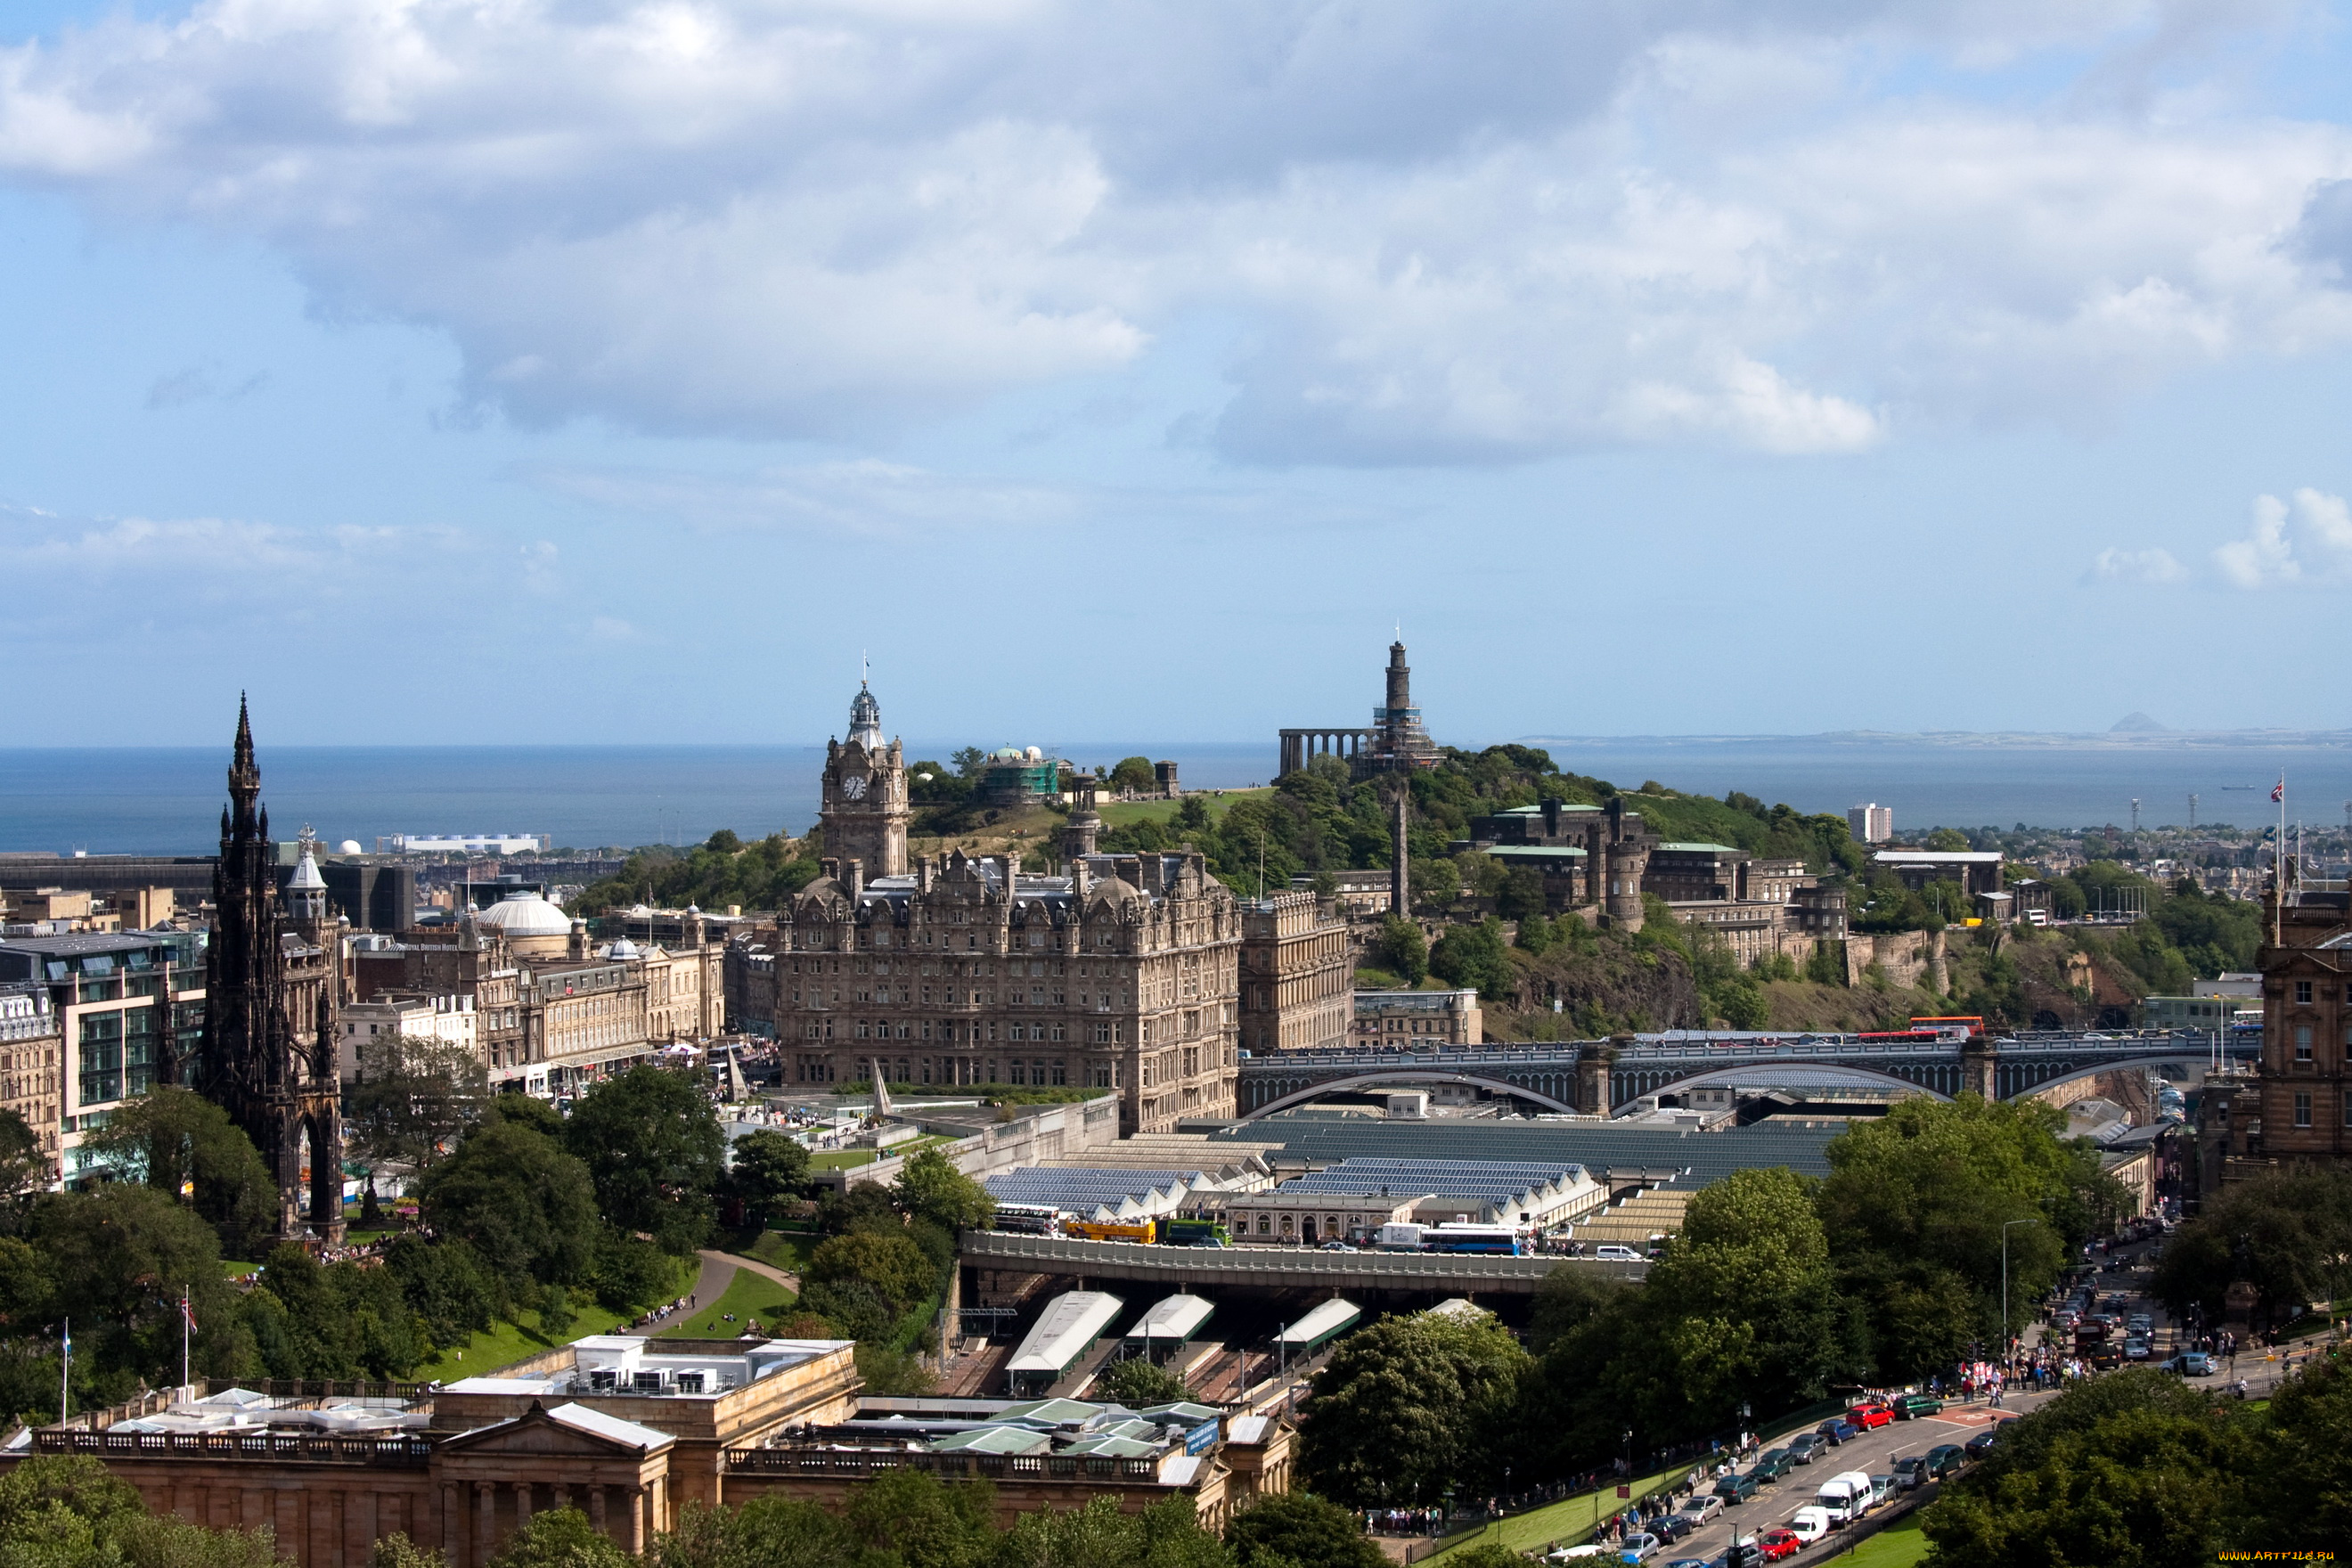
{"x": 2278, "y": 869}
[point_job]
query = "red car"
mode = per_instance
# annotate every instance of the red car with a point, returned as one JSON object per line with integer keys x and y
{"x": 1870, "y": 1418}
{"x": 1777, "y": 1544}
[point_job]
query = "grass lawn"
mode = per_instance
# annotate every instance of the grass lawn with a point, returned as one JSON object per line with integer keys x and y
{"x": 748, "y": 1296}
{"x": 1116, "y": 813}
{"x": 1899, "y": 1545}
{"x": 850, "y": 1159}
{"x": 789, "y": 1253}
{"x": 1571, "y": 1520}
{"x": 506, "y": 1343}
{"x": 234, "y": 1268}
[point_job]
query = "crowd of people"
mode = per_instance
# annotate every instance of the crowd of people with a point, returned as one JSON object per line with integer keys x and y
{"x": 664, "y": 1313}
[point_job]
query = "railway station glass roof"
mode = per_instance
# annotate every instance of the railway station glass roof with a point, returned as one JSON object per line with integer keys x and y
{"x": 1069, "y": 1324}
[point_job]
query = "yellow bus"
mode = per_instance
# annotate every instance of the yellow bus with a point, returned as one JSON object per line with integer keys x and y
{"x": 1142, "y": 1231}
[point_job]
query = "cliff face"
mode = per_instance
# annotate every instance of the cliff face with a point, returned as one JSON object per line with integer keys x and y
{"x": 1611, "y": 986}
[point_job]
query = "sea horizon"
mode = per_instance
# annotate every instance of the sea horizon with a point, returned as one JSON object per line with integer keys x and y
{"x": 167, "y": 799}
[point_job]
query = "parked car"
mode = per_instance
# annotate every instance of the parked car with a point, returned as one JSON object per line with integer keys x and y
{"x": 1911, "y": 1407}
{"x": 1809, "y": 1524}
{"x": 1909, "y": 1472}
{"x": 1702, "y": 1507}
{"x": 1945, "y": 1461}
{"x": 1839, "y": 1431}
{"x": 1735, "y": 1490}
{"x": 1670, "y": 1528}
{"x": 1777, "y": 1544}
{"x": 2191, "y": 1364}
{"x": 1804, "y": 1447}
{"x": 1870, "y": 1418}
{"x": 1638, "y": 1547}
{"x": 1772, "y": 1464}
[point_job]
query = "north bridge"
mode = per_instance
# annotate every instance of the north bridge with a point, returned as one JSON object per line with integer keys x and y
{"x": 1605, "y": 1075}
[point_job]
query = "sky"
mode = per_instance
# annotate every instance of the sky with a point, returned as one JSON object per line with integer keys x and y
{"x": 590, "y": 371}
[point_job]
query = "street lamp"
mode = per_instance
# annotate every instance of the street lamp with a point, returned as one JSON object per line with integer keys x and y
{"x": 2005, "y": 1341}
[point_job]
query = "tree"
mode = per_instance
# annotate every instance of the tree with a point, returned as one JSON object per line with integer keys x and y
{"x": 23, "y": 1167}
{"x": 925, "y": 1522}
{"x": 1401, "y": 950}
{"x": 857, "y": 1277}
{"x": 1299, "y": 1530}
{"x": 767, "y": 1532}
{"x": 1165, "y": 1534}
{"x": 526, "y": 1207}
{"x": 653, "y": 1145}
{"x": 1135, "y": 774}
{"x": 411, "y": 1099}
{"x": 2288, "y": 1233}
{"x": 931, "y": 1187}
{"x": 767, "y": 1170}
{"x": 177, "y": 1141}
{"x": 1140, "y": 1384}
{"x": 1522, "y": 894}
{"x": 1474, "y": 955}
{"x": 117, "y": 1259}
{"x": 560, "y": 1538}
{"x": 1408, "y": 1407}
{"x": 65, "y": 1511}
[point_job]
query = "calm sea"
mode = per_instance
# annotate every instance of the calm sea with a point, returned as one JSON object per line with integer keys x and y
{"x": 168, "y": 800}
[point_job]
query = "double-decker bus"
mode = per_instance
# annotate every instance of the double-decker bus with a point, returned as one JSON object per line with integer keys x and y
{"x": 1967, "y": 1026}
{"x": 1035, "y": 1219}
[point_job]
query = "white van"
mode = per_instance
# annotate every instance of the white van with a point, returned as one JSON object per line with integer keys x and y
{"x": 1611, "y": 1252}
{"x": 1845, "y": 1497}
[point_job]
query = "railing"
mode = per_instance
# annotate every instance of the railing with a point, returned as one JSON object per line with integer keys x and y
{"x": 323, "y": 1388}
{"x": 274, "y": 1448}
{"x": 999, "y": 1466}
{"x": 2121, "y": 1041}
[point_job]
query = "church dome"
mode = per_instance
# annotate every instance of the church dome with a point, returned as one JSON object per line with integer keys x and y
{"x": 621, "y": 950}
{"x": 526, "y": 914}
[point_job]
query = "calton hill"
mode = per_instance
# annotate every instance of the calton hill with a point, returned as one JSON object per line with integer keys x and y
{"x": 1544, "y": 974}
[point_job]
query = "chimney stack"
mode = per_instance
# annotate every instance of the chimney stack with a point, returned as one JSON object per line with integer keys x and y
{"x": 854, "y": 883}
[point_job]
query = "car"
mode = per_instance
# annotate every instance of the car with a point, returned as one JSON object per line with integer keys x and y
{"x": 2191, "y": 1364}
{"x": 1735, "y": 1490}
{"x": 1613, "y": 1252}
{"x": 2137, "y": 1349}
{"x": 1638, "y": 1547}
{"x": 2139, "y": 1323}
{"x": 1911, "y": 1407}
{"x": 1779, "y": 1543}
{"x": 1690, "y": 1562}
{"x": 1909, "y": 1472}
{"x": 1870, "y": 1418}
{"x": 2106, "y": 1358}
{"x": 1805, "y": 1445}
{"x": 1839, "y": 1431}
{"x": 1670, "y": 1528}
{"x": 1945, "y": 1460}
{"x": 1977, "y": 1446}
{"x": 1702, "y": 1507}
{"x": 1809, "y": 1524}
{"x": 1772, "y": 1464}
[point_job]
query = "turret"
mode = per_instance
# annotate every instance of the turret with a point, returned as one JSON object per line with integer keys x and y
{"x": 306, "y": 891}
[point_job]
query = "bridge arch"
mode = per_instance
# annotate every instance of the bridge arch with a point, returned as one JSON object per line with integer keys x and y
{"x": 1314, "y": 1092}
{"x": 2077, "y": 1074}
{"x": 1868, "y": 1078}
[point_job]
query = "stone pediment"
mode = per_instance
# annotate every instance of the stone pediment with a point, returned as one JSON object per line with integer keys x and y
{"x": 569, "y": 1431}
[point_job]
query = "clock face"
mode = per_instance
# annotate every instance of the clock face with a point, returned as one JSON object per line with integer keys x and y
{"x": 854, "y": 786}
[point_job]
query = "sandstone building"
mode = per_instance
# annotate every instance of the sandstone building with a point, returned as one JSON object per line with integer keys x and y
{"x": 2303, "y": 1096}
{"x": 865, "y": 809}
{"x": 1298, "y": 966}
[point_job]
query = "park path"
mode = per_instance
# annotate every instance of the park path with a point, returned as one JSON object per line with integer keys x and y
{"x": 737, "y": 1260}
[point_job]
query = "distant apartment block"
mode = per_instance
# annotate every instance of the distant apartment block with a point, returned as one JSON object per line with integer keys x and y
{"x": 1414, "y": 1020}
{"x": 1871, "y": 823}
{"x": 464, "y": 844}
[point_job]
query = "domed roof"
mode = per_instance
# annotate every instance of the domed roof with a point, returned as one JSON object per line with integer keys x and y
{"x": 350, "y": 847}
{"x": 526, "y": 913}
{"x": 622, "y": 949}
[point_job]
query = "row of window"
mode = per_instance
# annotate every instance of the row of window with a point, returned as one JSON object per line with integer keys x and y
{"x": 2302, "y": 1038}
{"x": 2302, "y": 1103}
{"x": 965, "y": 1072}
{"x": 961, "y": 1033}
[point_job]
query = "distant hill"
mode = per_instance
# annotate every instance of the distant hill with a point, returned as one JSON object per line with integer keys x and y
{"x": 2136, "y": 724}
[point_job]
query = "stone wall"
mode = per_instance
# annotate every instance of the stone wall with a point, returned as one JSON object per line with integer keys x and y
{"x": 1906, "y": 955}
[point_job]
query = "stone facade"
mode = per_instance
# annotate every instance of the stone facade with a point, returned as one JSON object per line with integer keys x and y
{"x": 865, "y": 810}
{"x": 1298, "y": 967}
{"x": 1414, "y": 1020}
{"x": 2303, "y": 1096}
{"x": 32, "y": 1075}
{"x": 1119, "y": 975}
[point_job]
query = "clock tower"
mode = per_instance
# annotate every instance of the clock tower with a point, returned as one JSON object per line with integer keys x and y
{"x": 865, "y": 813}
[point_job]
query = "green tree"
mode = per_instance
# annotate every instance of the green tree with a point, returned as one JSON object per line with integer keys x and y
{"x": 1474, "y": 955}
{"x": 1409, "y": 1407}
{"x": 1140, "y": 1384}
{"x": 61, "y": 1511}
{"x": 1401, "y": 950}
{"x": 930, "y": 1187}
{"x": 2288, "y": 1233}
{"x": 1299, "y": 1530}
{"x": 767, "y": 1171}
{"x": 410, "y": 1098}
{"x": 1522, "y": 894}
{"x": 116, "y": 1260}
{"x": 767, "y": 1532}
{"x": 2297, "y": 1489}
{"x": 1165, "y": 1534}
{"x": 653, "y": 1148}
{"x": 332, "y": 1320}
{"x": 1135, "y": 774}
{"x": 560, "y": 1538}
{"x": 396, "y": 1551}
{"x": 864, "y": 1282}
{"x": 24, "y": 1168}
{"x": 177, "y": 1141}
{"x": 924, "y": 1522}
{"x": 526, "y": 1208}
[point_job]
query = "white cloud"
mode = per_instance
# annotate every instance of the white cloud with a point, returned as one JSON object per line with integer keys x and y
{"x": 2137, "y": 566}
{"x": 2304, "y": 540}
{"x": 1435, "y": 235}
